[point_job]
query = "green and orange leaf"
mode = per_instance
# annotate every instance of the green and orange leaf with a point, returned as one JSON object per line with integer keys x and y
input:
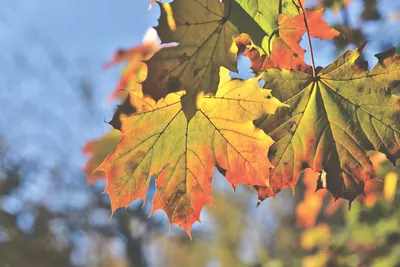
{"x": 160, "y": 140}
{"x": 335, "y": 119}
{"x": 285, "y": 51}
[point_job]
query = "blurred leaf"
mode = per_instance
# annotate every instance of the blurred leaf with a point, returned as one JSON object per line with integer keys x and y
{"x": 335, "y": 5}
{"x": 319, "y": 235}
{"x": 98, "y": 150}
{"x": 390, "y": 186}
{"x": 370, "y": 11}
{"x": 136, "y": 71}
{"x": 349, "y": 36}
{"x": 308, "y": 209}
{"x": 317, "y": 260}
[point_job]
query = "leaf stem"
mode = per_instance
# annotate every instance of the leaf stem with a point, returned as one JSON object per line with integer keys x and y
{"x": 309, "y": 38}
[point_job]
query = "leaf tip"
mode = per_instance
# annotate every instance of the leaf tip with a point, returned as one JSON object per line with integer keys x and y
{"x": 349, "y": 207}
{"x": 362, "y": 46}
{"x": 233, "y": 188}
{"x": 293, "y": 190}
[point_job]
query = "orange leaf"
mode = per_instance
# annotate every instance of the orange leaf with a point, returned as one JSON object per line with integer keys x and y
{"x": 248, "y": 49}
{"x": 136, "y": 71}
{"x": 292, "y": 30}
{"x": 308, "y": 209}
{"x": 98, "y": 150}
{"x": 284, "y": 58}
{"x": 286, "y": 52}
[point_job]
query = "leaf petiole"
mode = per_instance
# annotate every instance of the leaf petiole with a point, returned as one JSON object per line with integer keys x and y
{"x": 309, "y": 38}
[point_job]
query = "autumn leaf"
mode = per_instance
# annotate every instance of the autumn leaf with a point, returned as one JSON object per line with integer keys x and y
{"x": 285, "y": 51}
{"x": 281, "y": 57}
{"x": 181, "y": 148}
{"x": 265, "y": 13}
{"x": 335, "y": 118}
{"x": 308, "y": 209}
{"x": 135, "y": 71}
{"x": 205, "y": 42}
{"x": 98, "y": 150}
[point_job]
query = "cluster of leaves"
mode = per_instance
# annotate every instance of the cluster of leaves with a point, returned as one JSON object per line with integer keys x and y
{"x": 314, "y": 205}
{"x": 184, "y": 115}
{"x": 367, "y": 236}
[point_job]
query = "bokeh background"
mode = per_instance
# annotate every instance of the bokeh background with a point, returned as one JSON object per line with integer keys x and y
{"x": 53, "y": 100}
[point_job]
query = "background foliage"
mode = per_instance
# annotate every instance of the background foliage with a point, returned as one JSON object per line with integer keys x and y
{"x": 50, "y": 217}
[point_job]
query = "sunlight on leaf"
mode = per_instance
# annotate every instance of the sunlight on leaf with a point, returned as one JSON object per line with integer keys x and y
{"x": 334, "y": 120}
{"x": 159, "y": 140}
{"x": 204, "y": 36}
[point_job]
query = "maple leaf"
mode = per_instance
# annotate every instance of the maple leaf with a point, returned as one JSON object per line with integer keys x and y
{"x": 286, "y": 51}
{"x": 98, "y": 150}
{"x": 265, "y": 13}
{"x": 181, "y": 151}
{"x": 205, "y": 42}
{"x": 335, "y": 118}
{"x": 311, "y": 205}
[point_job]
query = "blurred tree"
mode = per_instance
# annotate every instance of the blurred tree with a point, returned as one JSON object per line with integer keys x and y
{"x": 37, "y": 246}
